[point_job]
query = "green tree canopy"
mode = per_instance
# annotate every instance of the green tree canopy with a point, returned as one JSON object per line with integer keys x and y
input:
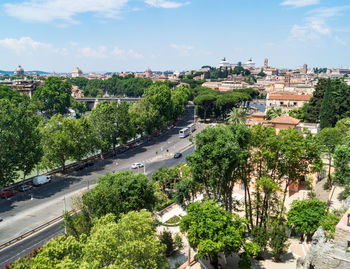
{"x": 119, "y": 193}
{"x": 55, "y": 96}
{"x": 212, "y": 231}
{"x": 306, "y": 215}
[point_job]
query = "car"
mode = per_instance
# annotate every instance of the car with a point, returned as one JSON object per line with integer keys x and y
{"x": 156, "y": 134}
{"x": 8, "y": 193}
{"x": 25, "y": 187}
{"x": 136, "y": 165}
{"x": 177, "y": 155}
{"x": 122, "y": 150}
{"x": 139, "y": 143}
{"x": 0, "y": 219}
{"x": 132, "y": 146}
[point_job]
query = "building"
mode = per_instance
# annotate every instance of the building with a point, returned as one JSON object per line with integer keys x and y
{"x": 19, "y": 71}
{"x": 286, "y": 101}
{"x": 249, "y": 64}
{"x": 304, "y": 70}
{"x": 283, "y": 122}
{"x": 77, "y": 72}
{"x": 266, "y": 63}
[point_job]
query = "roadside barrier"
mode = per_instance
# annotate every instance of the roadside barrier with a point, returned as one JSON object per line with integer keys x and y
{"x": 35, "y": 230}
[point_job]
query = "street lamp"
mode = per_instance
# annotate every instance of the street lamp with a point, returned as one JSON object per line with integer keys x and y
{"x": 65, "y": 209}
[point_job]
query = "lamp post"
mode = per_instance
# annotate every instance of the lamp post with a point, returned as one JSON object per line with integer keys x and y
{"x": 65, "y": 209}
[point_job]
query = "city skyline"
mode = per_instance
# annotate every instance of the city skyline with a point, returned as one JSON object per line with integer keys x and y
{"x": 132, "y": 35}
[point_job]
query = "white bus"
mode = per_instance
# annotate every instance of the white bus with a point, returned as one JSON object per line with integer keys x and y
{"x": 184, "y": 132}
{"x": 192, "y": 127}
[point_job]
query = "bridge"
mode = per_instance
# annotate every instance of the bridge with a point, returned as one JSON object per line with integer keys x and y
{"x": 91, "y": 102}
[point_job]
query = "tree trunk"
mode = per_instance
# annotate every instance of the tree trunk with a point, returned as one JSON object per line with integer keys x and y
{"x": 329, "y": 172}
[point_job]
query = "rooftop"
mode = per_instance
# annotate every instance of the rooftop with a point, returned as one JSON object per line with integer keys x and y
{"x": 285, "y": 119}
{"x": 294, "y": 97}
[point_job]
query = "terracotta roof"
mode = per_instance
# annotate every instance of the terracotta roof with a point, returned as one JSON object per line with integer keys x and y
{"x": 285, "y": 119}
{"x": 294, "y": 97}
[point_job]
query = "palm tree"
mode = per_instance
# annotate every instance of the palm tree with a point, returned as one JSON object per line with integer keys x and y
{"x": 237, "y": 116}
{"x": 273, "y": 113}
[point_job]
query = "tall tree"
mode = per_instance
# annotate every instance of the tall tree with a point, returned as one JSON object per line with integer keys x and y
{"x": 273, "y": 113}
{"x": 306, "y": 215}
{"x": 329, "y": 138}
{"x": 237, "y": 116}
{"x": 65, "y": 139}
{"x": 213, "y": 231}
{"x": 20, "y": 147}
{"x": 120, "y": 193}
{"x": 55, "y": 96}
{"x": 227, "y": 144}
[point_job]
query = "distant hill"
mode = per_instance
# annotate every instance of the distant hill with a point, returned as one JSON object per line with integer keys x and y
{"x": 30, "y": 72}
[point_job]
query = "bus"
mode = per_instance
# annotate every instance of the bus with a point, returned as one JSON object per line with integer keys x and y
{"x": 184, "y": 132}
{"x": 192, "y": 127}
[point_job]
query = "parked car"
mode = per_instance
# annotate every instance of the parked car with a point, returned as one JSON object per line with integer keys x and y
{"x": 88, "y": 164}
{"x": 122, "y": 150}
{"x": 8, "y": 193}
{"x": 156, "y": 134}
{"x": 139, "y": 143}
{"x": 177, "y": 155}
{"x": 40, "y": 180}
{"x": 25, "y": 187}
{"x": 132, "y": 146}
{"x": 136, "y": 165}
{"x": 0, "y": 219}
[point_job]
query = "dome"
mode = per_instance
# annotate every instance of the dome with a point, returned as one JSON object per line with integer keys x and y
{"x": 77, "y": 72}
{"x": 19, "y": 70}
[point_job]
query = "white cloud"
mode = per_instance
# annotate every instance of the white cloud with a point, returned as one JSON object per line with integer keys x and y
{"x": 316, "y": 25}
{"x": 183, "y": 50}
{"x": 165, "y": 4}
{"x": 23, "y": 44}
{"x": 117, "y": 51}
{"x": 300, "y": 3}
{"x": 100, "y": 52}
{"x": 50, "y": 10}
{"x": 135, "y": 54}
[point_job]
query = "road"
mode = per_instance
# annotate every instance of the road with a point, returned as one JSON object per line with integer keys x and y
{"x": 26, "y": 211}
{"x": 27, "y": 245}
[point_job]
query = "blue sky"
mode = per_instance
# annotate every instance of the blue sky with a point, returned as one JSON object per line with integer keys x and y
{"x": 132, "y": 35}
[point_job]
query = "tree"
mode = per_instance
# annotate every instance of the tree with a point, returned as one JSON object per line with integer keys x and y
{"x": 205, "y": 104}
{"x": 104, "y": 121}
{"x": 212, "y": 231}
{"x": 237, "y": 116}
{"x": 306, "y": 215}
{"x": 329, "y": 138}
{"x": 127, "y": 244}
{"x": 66, "y": 139}
{"x": 7, "y": 93}
{"x": 20, "y": 140}
{"x": 342, "y": 167}
{"x": 273, "y": 113}
{"x": 119, "y": 193}
{"x": 159, "y": 96}
{"x": 55, "y": 96}
{"x": 227, "y": 144}
{"x": 327, "y": 110}
{"x": 278, "y": 239}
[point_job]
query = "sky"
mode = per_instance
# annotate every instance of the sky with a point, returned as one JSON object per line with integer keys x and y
{"x": 133, "y": 35}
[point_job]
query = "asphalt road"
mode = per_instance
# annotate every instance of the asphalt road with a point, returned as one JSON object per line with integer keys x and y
{"x": 25, "y": 211}
{"x": 27, "y": 245}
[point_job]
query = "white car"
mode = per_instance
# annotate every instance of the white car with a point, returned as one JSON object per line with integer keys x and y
{"x": 136, "y": 165}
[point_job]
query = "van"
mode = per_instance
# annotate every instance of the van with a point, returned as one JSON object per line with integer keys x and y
{"x": 40, "y": 180}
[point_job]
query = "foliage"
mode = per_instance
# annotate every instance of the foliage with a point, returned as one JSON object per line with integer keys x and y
{"x": 212, "y": 230}
{"x": 55, "y": 96}
{"x": 20, "y": 140}
{"x": 328, "y": 104}
{"x": 237, "y": 116}
{"x": 119, "y": 193}
{"x": 127, "y": 244}
{"x": 330, "y": 221}
{"x": 341, "y": 164}
{"x": 329, "y": 138}
{"x": 66, "y": 139}
{"x": 273, "y": 113}
{"x": 299, "y": 113}
{"x": 227, "y": 144}
{"x": 306, "y": 215}
{"x": 278, "y": 242}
